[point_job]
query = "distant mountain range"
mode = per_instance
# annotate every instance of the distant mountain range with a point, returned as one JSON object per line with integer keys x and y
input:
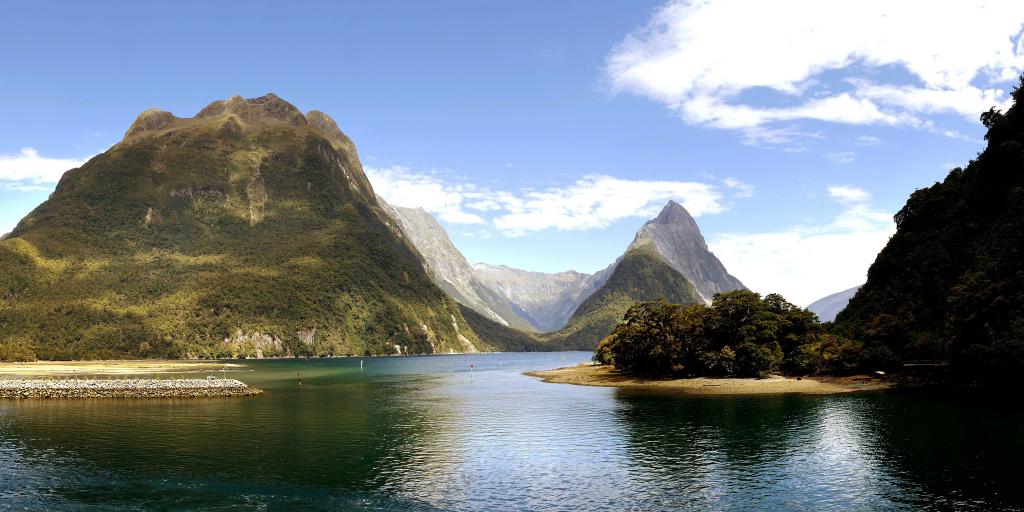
{"x": 828, "y": 307}
{"x": 250, "y": 230}
{"x": 668, "y": 259}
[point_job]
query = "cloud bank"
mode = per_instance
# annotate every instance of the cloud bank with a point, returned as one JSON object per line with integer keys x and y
{"x": 808, "y": 262}
{"x": 27, "y": 171}
{"x": 591, "y": 202}
{"x": 874, "y": 62}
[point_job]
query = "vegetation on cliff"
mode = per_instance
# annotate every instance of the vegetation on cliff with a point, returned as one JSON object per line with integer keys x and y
{"x": 247, "y": 230}
{"x": 641, "y": 275}
{"x": 949, "y": 286}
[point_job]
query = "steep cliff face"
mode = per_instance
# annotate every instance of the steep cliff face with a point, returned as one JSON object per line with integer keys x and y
{"x": 450, "y": 270}
{"x": 249, "y": 229}
{"x": 677, "y": 238}
{"x": 667, "y": 259}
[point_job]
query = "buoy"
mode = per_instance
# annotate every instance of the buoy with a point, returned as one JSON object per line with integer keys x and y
{"x": 299, "y": 376}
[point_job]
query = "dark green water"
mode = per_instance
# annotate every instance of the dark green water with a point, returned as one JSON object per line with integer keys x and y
{"x": 423, "y": 433}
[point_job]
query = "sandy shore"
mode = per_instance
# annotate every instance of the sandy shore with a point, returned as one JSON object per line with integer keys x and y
{"x": 59, "y": 368}
{"x": 597, "y": 375}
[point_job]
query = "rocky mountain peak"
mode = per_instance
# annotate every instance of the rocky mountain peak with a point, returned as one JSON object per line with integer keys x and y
{"x": 325, "y": 126}
{"x": 266, "y": 108}
{"x": 675, "y": 214}
{"x": 674, "y": 234}
{"x": 150, "y": 120}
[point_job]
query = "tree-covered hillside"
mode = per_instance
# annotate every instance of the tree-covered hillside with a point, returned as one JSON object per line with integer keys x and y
{"x": 249, "y": 229}
{"x": 641, "y": 276}
{"x": 949, "y": 285}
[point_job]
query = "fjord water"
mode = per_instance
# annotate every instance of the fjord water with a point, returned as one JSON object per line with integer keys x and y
{"x": 428, "y": 433}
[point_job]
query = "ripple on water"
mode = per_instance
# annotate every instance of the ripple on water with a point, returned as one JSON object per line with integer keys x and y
{"x": 428, "y": 434}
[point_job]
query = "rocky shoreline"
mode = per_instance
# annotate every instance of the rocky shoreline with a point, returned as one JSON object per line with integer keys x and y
{"x": 125, "y": 388}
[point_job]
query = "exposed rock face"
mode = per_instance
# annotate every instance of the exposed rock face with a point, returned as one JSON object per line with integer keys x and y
{"x": 546, "y": 300}
{"x": 676, "y": 237}
{"x": 449, "y": 268}
{"x": 828, "y": 307}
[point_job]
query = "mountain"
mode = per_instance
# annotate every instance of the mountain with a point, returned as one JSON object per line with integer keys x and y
{"x": 949, "y": 285}
{"x": 247, "y": 230}
{"x": 667, "y": 260}
{"x": 450, "y": 270}
{"x": 545, "y": 300}
{"x": 828, "y": 307}
{"x": 572, "y": 309}
{"x": 641, "y": 275}
{"x": 675, "y": 236}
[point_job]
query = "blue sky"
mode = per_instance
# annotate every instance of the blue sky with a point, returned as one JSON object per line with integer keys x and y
{"x": 543, "y": 134}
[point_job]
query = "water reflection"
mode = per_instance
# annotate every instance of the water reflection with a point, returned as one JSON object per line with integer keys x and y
{"x": 426, "y": 434}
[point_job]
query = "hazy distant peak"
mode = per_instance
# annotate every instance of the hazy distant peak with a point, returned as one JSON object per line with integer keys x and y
{"x": 828, "y": 307}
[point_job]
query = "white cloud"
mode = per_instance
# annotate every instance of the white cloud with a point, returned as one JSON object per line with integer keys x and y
{"x": 591, "y": 202}
{"x": 868, "y": 140}
{"x": 807, "y": 262}
{"x": 400, "y": 186}
{"x": 848, "y": 194}
{"x": 699, "y": 57}
{"x": 841, "y": 157}
{"x": 740, "y": 189}
{"x": 26, "y": 171}
{"x": 788, "y": 138}
{"x": 596, "y": 201}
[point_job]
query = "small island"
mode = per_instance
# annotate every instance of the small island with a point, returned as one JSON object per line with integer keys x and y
{"x": 739, "y": 344}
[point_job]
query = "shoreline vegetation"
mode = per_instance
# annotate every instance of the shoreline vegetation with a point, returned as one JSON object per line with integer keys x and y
{"x": 92, "y": 379}
{"x": 606, "y": 376}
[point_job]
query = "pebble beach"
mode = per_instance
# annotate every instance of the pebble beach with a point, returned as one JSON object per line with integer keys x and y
{"x": 124, "y": 388}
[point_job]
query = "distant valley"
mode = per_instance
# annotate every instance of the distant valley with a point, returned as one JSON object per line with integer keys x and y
{"x": 667, "y": 260}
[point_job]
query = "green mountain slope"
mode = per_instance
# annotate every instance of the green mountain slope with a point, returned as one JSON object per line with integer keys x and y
{"x": 249, "y": 230}
{"x": 641, "y": 276}
{"x": 950, "y": 283}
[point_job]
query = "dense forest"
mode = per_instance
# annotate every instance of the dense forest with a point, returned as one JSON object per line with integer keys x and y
{"x": 949, "y": 286}
{"x": 739, "y": 334}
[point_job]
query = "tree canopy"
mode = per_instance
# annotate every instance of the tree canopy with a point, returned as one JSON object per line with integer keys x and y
{"x": 739, "y": 334}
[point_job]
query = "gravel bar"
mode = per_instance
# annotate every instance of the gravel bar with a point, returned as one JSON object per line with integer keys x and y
{"x": 124, "y": 388}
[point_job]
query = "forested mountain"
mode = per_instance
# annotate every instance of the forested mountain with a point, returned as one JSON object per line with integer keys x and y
{"x": 641, "y": 275}
{"x": 249, "y": 229}
{"x": 949, "y": 285}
